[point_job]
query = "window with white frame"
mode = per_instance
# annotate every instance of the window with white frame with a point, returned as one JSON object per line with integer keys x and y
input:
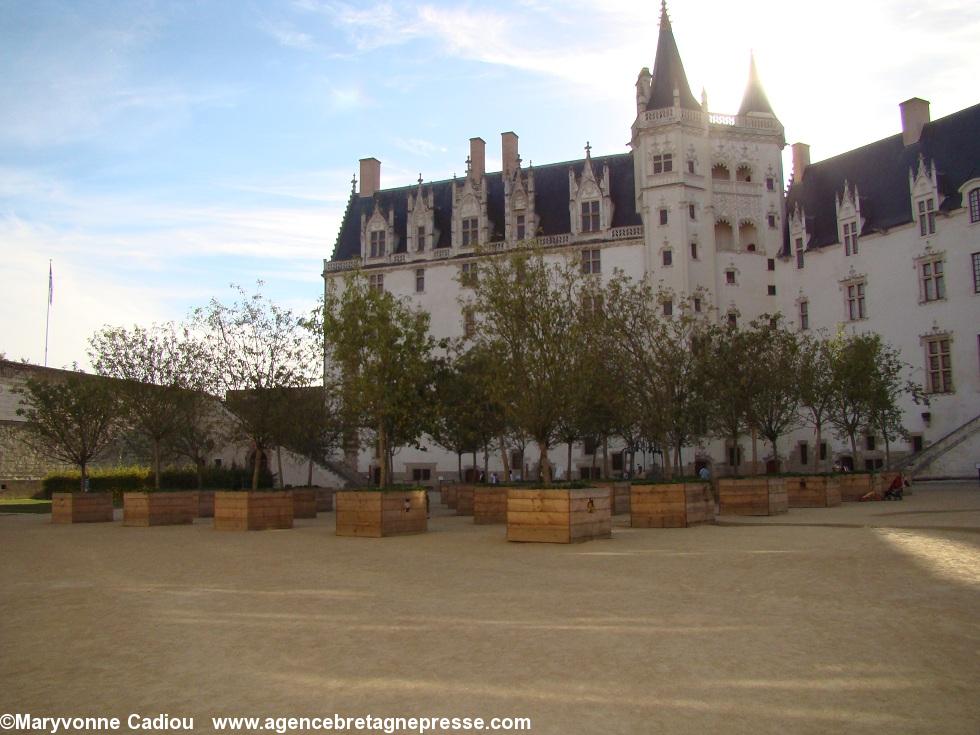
{"x": 771, "y": 221}
{"x": 799, "y": 252}
{"x": 377, "y": 240}
{"x": 663, "y": 164}
{"x": 694, "y": 251}
{"x": 469, "y": 322}
{"x": 471, "y": 231}
{"x": 804, "y": 315}
{"x": 419, "y": 280}
{"x": 420, "y": 239}
{"x": 376, "y": 281}
{"x": 856, "y": 306}
{"x": 590, "y": 216}
{"x": 590, "y": 261}
{"x": 939, "y": 366}
{"x": 668, "y": 257}
{"x": 521, "y": 227}
{"x": 690, "y": 165}
{"x": 974, "y": 201}
{"x": 927, "y": 216}
{"x": 468, "y": 274}
{"x": 932, "y": 280}
{"x": 850, "y": 238}
{"x": 668, "y": 307}
{"x": 663, "y": 216}
{"x": 730, "y": 277}
{"x": 692, "y": 212}
{"x": 976, "y": 272}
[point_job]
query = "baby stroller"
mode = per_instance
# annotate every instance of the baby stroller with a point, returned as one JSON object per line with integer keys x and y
{"x": 896, "y": 490}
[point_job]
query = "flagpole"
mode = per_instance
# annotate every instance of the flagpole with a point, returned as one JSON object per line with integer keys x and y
{"x": 47, "y": 318}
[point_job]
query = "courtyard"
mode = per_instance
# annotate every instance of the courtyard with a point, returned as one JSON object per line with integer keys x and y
{"x": 857, "y": 619}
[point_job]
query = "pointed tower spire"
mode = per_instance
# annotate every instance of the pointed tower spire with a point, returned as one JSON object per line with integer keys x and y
{"x": 668, "y": 71}
{"x": 754, "y": 99}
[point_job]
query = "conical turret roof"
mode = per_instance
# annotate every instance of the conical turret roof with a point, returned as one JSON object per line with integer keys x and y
{"x": 754, "y": 99}
{"x": 668, "y": 71}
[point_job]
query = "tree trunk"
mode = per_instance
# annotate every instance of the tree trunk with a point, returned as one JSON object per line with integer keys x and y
{"x": 200, "y": 473}
{"x": 256, "y": 464}
{"x": 383, "y": 455}
{"x": 459, "y": 465}
{"x": 569, "y": 465}
{"x": 309, "y": 474}
{"x": 816, "y": 452}
{"x": 854, "y": 451}
{"x": 486, "y": 463}
{"x": 755, "y": 451}
{"x": 156, "y": 464}
{"x": 888, "y": 450}
{"x": 605, "y": 456}
{"x": 282, "y": 479}
{"x": 505, "y": 460}
{"x": 476, "y": 477}
{"x": 544, "y": 469}
{"x": 83, "y": 478}
{"x": 735, "y": 454}
{"x": 680, "y": 460}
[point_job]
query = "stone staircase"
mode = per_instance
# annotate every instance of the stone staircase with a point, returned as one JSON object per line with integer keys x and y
{"x": 344, "y": 472}
{"x": 916, "y": 463}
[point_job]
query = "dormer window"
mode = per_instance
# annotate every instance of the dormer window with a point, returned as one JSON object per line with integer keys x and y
{"x": 590, "y": 216}
{"x": 974, "y": 200}
{"x": 420, "y": 240}
{"x": 663, "y": 164}
{"x": 377, "y": 244}
{"x": 850, "y": 238}
{"x": 799, "y": 252}
{"x": 927, "y": 216}
{"x": 471, "y": 232}
{"x": 521, "y": 227}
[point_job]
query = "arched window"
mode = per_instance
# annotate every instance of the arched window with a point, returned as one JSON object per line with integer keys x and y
{"x": 974, "y": 198}
{"x": 719, "y": 172}
{"x": 743, "y": 173}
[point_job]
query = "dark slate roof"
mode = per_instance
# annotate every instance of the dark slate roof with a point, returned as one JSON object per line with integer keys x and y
{"x": 881, "y": 172}
{"x": 550, "y": 202}
{"x": 668, "y": 71}
{"x": 754, "y": 99}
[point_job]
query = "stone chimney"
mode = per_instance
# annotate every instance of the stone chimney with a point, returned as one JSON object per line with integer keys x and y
{"x": 915, "y": 115}
{"x": 478, "y": 158}
{"x": 508, "y": 152}
{"x": 370, "y": 176}
{"x": 801, "y": 159}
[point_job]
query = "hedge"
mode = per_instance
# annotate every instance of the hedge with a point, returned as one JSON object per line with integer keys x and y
{"x": 137, "y": 478}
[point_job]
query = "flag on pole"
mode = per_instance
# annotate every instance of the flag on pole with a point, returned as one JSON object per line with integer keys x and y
{"x": 50, "y": 284}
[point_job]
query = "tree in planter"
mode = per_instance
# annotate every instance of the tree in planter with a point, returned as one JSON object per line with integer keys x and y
{"x": 886, "y": 386}
{"x": 154, "y": 368}
{"x": 260, "y": 350}
{"x": 853, "y": 367}
{"x": 202, "y": 429}
{"x": 730, "y": 369}
{"x": 815, "y": 377}
{"x": 308, "y": 424}
{"x": 775, "y": 397}
{"x": 660, "y": 364}
{"x": 527, "y": 312}
{"x": 75, "y": 419}
{"x": 380, "y": 351}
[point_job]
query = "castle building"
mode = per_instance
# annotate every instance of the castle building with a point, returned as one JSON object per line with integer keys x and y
{"x": 870, "y": 240}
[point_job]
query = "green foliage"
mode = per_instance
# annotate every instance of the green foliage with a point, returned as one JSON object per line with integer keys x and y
{"x": 380, "y": 352}
{"x": 73, "y": 419}
{"x": 259, "y": 350}
{"x": 140, "y": 479}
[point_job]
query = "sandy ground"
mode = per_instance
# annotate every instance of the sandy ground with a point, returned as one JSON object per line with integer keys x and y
{"x": 861, "y": 619}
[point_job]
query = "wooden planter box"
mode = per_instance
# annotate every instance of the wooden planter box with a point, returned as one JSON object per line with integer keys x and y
{"x": 160, "y": 508}
{"x": 451, "y": 496}
{"x": 464, "y": 500}
{"x": 490, "y": 505}
{"x": 671, "y": 505}
{"x": 252, "y": 511}
{"x": 324, "y": 500}
{"x": 304, "y": 502}
{"x": 752, "y": 496}
{"x": 854, "y": 485}
{"x": 375, "y": 513}
{"x": 81, "y": 507}
{"x": 558, "y": 516}
{"x": 205, "y": 503}
{"x": 813, "y": 491}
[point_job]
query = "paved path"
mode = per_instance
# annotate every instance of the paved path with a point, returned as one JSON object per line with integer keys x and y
{"x": 861, "y": 619}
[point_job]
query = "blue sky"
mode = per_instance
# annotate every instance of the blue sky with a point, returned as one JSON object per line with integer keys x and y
{"x": 159, "y": 151}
